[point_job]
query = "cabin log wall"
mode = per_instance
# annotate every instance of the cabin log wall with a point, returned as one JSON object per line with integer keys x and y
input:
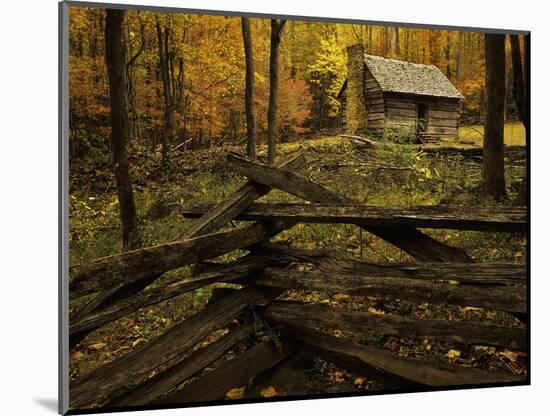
{"x": 401, "y": 115}
{"x": 374, "y": 100}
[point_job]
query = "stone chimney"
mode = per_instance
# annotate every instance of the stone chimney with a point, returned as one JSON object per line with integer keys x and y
{"x": 356, "y": 109}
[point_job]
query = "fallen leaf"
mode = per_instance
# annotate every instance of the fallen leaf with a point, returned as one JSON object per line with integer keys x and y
{"x": 338, "y": 376}
{"x": 511, "y": 355}
{"x": 453, "y": 354}
{"x": 469, "y": 308}
{"x": 359, "y": 381}
{"x": 98, "y": 346}
{"x": 391, "y": 344}
{"x": 268, "y": 392}
{"x": 481, "y": 349}
{"x": 236, "y": 393}
{"x": 375, "y": 311}
{"x": 78, "y": 355}
{"x": 403, "y": 351}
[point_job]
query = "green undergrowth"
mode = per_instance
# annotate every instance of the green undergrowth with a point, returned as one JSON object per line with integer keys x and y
{"x": 390, "y": 175}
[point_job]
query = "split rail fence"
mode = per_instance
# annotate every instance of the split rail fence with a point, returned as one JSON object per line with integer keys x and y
{"x": 441, "y": 275}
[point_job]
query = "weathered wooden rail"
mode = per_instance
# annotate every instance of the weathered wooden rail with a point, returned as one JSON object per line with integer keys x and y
{"x": 153, "y": 372}
{"x": 508, "y": 219}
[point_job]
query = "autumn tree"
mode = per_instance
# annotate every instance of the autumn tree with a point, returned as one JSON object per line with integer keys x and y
{"x": 207, "y": 94}
{"x": 434, "y": 45}
{"x": 395, "y": 50}
{"x": 172, "y": 85}
{"x": 162, "y": 39}
{"x": 493, "y": 141}
{"x": 115, "y": 57}
{"x": 249, "y": 89}
{"x": 272, "y": 130}
{"x": 385, "y": 39}
{"x": 89, "y": 107}
{"x": 447, "y": 50}
{"x": 115, "y": 60}
{"x": 134, "y": 54}
{"x": 326, "y": 76}
{"x": 295, "y": 103}
{"x": 459, "y": 62}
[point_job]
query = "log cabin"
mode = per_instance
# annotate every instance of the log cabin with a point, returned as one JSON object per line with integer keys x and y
{"x": 385, "y": 97}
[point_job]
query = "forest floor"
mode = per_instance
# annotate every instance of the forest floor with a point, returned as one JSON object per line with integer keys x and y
{"x": 200, "y": 176}
{"x": 514, "y": 134}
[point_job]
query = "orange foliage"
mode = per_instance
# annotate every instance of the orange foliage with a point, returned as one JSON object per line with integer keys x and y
{"x": 211, "y": 49}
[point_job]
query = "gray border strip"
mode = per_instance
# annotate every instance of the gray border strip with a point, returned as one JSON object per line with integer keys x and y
{"x": 63, "y": 209}
{"x": 164, "y": 9}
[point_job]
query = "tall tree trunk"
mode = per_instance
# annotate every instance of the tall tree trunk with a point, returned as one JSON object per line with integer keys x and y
{"x": 493, "y": 141}
{"x": 370, "y": 40}
{"x": 130, "y": 74}
{"x": 162, "y": 37}
{"x": 459, "y": 58}
{"x": 518, "y": 89}
{"x": 431, "y": 46}
{"x": 407, "y": 44}
{"x": 521, "y": 97}
{"x": 448, "y": 54}
{"x": 394, "y": 42}
{"x": 202, "y": 141}
{"x": 272, "y": 122}
{"x": 397, "y": 43}
{"x": 385, "y": 40}
{"x": 115, "y": 57}
{"x": 249, "y": 90}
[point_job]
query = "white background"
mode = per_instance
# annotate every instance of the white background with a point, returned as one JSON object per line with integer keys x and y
{"x": 28, "y": 204}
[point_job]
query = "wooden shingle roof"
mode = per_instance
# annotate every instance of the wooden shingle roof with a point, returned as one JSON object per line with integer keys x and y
{"x": 410, "y": 78}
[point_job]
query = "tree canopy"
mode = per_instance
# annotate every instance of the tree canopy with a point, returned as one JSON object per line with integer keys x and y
{"x": 206, "y": 66}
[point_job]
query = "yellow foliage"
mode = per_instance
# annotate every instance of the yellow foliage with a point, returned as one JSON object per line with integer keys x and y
{"x": 452, "y": 354}
{"x": 236, "y": 393}
{"x": 268, "y": 392}
{"x": 375, "y": 311}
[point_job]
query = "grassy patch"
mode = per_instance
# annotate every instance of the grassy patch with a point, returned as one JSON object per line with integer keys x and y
{"x": 514, "y": 133}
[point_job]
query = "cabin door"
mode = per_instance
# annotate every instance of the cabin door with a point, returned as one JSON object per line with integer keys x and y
{"x": 421, "y": 118}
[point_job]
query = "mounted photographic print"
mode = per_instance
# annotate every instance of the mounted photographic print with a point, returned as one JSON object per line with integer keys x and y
{"x": 266, "y": 208}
